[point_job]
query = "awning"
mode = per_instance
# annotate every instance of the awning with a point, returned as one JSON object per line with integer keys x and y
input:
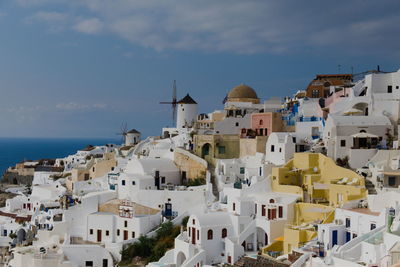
{"x": 353, "y": 111}
{"x": 364, "y": 135}
{"x": 393, "y": 173}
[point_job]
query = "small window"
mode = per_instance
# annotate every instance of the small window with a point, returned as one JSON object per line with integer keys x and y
{"x": 133, "y": 234}
{"x": 354, "y": 235}
{"x": 224, "y": 233}
{"x": 373, "y": 226}
{"x": 234, "y": 206}
{"x": 280, "y": 211}
{"x": 294, "y": 139}
{"x": 392, "y": 181}
{"x": 91, "y": 231}
{"x": 280, "y": 150}
{"x": 389, "y": 89}
{"x": 347, "y": 222}
{"x": 397, "y": 87}
{"x": 117, "y": 232}
{"x": 271, "y": 200}
{"x": 342, "y": 143}
{"x": 221, "y": 149}
{"x": 261, "y": 122}
{"x": 198, "y": 235}
{"x": 133, "y": 182}
{"x": 272, "y": 148}
{"x": 210, "y": 234}
{"x": 237, "y": 124}
{"x": 123, "y": 182}
{"x": 242, "y": 170}
{"x": 107, "y": 233}
{"x": 163, "y": 180}
{"x": 89, "y": 263}
{"x": 125, "y": 223}
{"x": 193, "y": 221}
{"x": 93, "y": 168}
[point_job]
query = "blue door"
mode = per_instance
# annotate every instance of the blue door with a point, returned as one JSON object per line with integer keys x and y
{"x": 334, "y": 237}
{"x": 348, "y": 237}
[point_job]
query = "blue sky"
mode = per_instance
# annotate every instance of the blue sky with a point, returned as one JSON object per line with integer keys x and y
{"x": 80, "y": 68}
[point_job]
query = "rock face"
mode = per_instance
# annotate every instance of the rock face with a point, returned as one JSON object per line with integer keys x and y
{"x": 15, "y": 178}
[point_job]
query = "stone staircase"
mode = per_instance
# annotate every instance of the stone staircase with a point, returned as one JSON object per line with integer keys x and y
{"x": 240, "y": 263}
{"x": 215, "y": 191}
{"x": 370, "y": 187}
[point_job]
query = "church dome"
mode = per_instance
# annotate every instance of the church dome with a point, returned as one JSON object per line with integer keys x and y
{"x": 243, "y": 93}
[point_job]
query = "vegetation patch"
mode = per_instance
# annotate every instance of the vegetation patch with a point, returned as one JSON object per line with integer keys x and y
{"x": 148, "y": 249}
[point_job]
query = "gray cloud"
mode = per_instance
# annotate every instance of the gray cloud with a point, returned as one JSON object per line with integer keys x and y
{"x": 238, "y": 26}
{"x": 89, "y": 26}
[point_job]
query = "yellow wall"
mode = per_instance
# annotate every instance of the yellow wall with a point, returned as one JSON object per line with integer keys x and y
{"x": 306, "y": 169}
{"x": 250, "y": 146}
{"x": 230, "y": 142}
{"x": 189, "y": 164}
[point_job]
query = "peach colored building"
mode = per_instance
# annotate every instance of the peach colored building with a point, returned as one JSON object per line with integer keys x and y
{"x": 262, "y": 124}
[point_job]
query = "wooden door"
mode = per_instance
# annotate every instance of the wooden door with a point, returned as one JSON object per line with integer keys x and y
{"x": 98, "y": 235}
{"x": 193, "y": 235}
{"x": 125, "y": 235}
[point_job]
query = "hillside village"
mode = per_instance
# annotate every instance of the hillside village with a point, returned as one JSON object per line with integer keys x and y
{"x": 311, "y": 179}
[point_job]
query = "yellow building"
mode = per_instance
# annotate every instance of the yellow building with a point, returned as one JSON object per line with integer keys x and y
{"x": 216, "y": 146}
{"x": 323, "y": 186}
{"x": 317, "y": 179}
{"x": 95, "y": 168}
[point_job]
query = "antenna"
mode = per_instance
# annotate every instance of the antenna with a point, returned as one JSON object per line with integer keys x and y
{"x": 173, "y": 103}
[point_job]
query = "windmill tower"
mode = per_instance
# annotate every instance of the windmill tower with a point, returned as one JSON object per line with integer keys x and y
{"x": 187, "y": 113}
{"x": 173, "y": 103}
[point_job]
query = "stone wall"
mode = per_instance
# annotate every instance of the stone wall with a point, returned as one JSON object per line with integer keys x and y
{"x": 194, "y": 166}
{"x": 15, "y": 178}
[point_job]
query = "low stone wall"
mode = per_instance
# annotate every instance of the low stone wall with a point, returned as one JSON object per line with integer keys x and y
{"x": 15, "y": 178}
{"x": 262, "y": 262}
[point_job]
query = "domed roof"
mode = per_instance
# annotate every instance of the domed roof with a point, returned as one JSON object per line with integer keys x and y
{"x": 242, "y": 91}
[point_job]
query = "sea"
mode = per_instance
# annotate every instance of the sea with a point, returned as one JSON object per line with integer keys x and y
{"x": 14, "y": 150}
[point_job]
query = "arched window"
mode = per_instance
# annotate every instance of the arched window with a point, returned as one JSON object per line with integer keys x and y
{"x": 261, "y": 122}
{"x": 210, "y": 234}
{"x": 271, "y": 201}
{"x": 224, "y": 233}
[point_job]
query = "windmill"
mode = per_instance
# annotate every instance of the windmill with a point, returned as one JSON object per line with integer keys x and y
{"x": 123, "y": 132}
{"x": 173, "y": 103}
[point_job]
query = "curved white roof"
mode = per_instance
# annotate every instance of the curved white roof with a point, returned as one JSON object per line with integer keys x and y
{"x": 150, "y": 165}
{"x": 213, "y": 219}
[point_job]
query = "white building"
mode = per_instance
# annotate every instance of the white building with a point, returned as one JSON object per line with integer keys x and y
{"x": 186, "y": 114}
{"x": 280, "y": 148}
{"x": 132, "y": 137}
{"x": 355, "y": 137}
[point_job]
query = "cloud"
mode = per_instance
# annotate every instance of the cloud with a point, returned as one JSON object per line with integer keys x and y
{"x": 56, "y": 21}
{"x": 73, "y": 106}
{"x": 244, "y": 27}
{"x": 89, "y": 26}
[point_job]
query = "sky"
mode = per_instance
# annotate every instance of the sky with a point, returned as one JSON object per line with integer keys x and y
{"x": 82, "y": 68}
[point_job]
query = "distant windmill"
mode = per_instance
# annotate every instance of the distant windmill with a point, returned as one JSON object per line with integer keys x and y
{"x": 123, "y": 132}
{"x": 173, "y": 103}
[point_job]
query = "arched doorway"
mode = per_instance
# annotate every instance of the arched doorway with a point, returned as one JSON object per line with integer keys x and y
{"x": 205, "y": 150}
{"x": 262, "y": 238}
{"x": 363, "y": 107}
{"x": 180, "y": 259}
